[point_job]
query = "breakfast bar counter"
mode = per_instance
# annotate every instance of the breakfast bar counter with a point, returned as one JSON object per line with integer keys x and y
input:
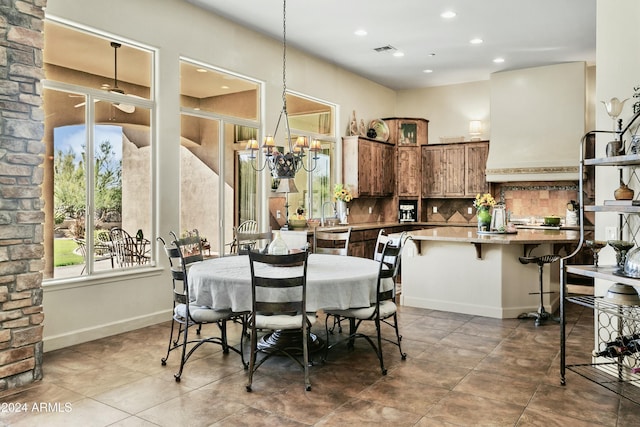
{"x": 457, "y": 269}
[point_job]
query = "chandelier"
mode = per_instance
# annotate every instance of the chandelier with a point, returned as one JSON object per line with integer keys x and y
{"x": 284, "y": 165}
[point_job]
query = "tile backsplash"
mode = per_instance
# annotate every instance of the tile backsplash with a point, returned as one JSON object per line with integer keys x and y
{"x": 522, "y": 199}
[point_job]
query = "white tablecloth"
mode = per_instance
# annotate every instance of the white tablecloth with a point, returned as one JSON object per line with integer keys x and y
{"x": 333, "y": 281}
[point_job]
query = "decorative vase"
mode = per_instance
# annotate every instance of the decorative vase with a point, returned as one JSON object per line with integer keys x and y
{"x": 623, "y": 192}
{"x": 341, "y": 211}
{"x": 484, "y": 218}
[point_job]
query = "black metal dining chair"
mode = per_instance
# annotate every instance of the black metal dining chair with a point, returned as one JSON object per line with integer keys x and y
{"x": 183, "y": 252}
{"x": 287, "y": 313}
{"x": 379, "y": 312}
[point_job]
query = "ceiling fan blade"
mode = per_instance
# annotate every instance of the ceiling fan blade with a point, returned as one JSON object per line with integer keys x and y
{"x": 83, "y": 103}
{"x": 127, "y": 108}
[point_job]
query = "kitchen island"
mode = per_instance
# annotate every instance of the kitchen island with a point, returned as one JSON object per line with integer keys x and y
{"x": 456, "y": 269}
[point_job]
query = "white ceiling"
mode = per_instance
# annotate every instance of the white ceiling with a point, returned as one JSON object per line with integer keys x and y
{"x": 526, "y": 33}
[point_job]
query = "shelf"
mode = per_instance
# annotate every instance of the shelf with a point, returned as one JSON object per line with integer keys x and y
{"x": 604, "y": 306}
{"x": 629, "y": 160}
{"x": 613, "y": 208}
{"x": 611, "y": 376}
{"x": 602, "y": 272}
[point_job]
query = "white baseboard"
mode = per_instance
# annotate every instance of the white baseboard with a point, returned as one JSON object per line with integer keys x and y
{"x": 89, "y": 334}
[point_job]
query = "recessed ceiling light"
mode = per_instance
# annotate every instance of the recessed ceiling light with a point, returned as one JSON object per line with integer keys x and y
{"x": 477, "y": 40}
{"x": 224, "y": 87}
{"x": 398, "y": 54}
{"x": 427, "y": 71}
{"x": 448, "y": 14}
{"x": 201, "y": 70}
{"x": 360, "y": 32}
{"x": 431, "y": 54}
{"x": 498, "y": 60}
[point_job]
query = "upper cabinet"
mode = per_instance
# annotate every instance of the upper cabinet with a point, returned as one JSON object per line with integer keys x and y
{"x": 408, "y": 135}
{"x": 407, "y": 132}
{"x": 454, "y": 170}
{"x": 368, "y": 166}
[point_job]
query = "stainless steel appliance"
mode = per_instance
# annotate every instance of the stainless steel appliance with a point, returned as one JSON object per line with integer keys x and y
{"x": 408, "y": 211}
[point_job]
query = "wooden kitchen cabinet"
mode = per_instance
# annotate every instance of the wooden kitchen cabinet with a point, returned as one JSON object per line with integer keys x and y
{"x": 407, "y": 131}
{"x": 368, "y": 166}
{"x": 454, "y": 170}
{"x": 475, "y": 181}
{"x": 409, "y": 167}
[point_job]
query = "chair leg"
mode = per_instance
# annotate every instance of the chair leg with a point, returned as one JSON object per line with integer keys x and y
{"x": 305, "y": 355}
{"x": 403, "y": 356}
{"x": 165, "y": 358}
{"x": 379, "y": 349}
{"x": 252, "y": 357}
{"x": 184, "y": 351}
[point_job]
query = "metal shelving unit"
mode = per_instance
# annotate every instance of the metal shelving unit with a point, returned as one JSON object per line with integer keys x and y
{"x": 620, "y": 374}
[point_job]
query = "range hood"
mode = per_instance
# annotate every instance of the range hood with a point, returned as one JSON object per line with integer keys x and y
{"x": 537, "y": 121}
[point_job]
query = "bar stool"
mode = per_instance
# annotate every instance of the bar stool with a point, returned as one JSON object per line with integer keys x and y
{"x": 541, "y": 315}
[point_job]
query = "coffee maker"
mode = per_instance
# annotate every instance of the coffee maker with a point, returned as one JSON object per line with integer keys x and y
{"x": 408, "y": 211}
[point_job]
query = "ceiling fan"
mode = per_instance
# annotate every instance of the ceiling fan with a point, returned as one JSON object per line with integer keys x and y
{"x": 127, "y": 108}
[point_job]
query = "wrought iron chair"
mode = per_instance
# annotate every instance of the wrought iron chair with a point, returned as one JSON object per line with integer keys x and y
{"x": 384, "y": 308}
{"x": 101, "y": 252}
{"x": 126, "y": 249}
{"x": 325, "y": 242}
{"x": 246, "y": 227}
{"x": 182, "y": 253}
{"x": 246, "y": 242}
{"x": 288, "y": 314}
{"x": 331, "y": 243}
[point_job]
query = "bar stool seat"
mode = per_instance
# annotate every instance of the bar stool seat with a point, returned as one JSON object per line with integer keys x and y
{"x": 541, "y": 315}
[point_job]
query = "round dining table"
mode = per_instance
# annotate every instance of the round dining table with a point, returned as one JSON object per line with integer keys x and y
{"x": 333, "y": 282}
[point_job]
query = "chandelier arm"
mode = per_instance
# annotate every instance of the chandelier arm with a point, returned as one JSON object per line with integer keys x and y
{"x": 256, "y": 160}
{"x": 315, "y": 164}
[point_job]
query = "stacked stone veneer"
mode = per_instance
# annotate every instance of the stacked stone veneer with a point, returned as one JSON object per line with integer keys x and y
{"x": 21, "y": 215}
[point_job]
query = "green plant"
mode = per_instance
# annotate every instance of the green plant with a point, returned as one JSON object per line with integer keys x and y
{"x": 63, "y": 253}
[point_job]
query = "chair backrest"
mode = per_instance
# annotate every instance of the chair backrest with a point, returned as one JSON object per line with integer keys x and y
{"x": 389, "y": 266}
{"x": 246, "y": 242}
{"x": 248, "y": 226}
{"x": 82, "y": 247}
{"x": 384, "y": 238}
{"x": 295, "y": 239}
{"x": 290, "y": 283}
{"x": 325, "y": 242}
{"x": 124, "y": 248}
{"x": 182, "y": 252}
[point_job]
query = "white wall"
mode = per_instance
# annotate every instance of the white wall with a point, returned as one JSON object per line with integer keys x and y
{"x": 618, "y": 59}
{"x": 85, "y": 310}
{"x": 448, "y": 108}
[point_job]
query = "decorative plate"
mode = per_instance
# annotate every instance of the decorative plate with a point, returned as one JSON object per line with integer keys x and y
{"x": 381, "y": 128}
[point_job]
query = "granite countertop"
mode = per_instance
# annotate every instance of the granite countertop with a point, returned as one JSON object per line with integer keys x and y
{"x": 522, "y": 236}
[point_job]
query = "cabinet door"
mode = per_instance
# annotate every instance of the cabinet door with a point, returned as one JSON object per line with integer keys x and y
{"x": 432, "y": 171}
{"x": 408, "y": 171}
{"x": 387, "y": 170}
{"x": 366, "y": 179}
{"x": 453, "y": 165}
{"x": 476, "y": 167}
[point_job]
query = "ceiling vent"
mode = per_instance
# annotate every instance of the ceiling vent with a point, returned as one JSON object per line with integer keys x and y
{"x": 384, "y": 48}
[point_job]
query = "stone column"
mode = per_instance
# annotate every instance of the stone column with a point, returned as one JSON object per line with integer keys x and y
{"x": 21, "y": 215}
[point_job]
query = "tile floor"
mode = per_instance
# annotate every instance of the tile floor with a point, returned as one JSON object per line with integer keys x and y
{"x": 460, "y": 371}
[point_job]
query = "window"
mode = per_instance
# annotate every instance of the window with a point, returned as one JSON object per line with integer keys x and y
{"x": 220, "y": 113}
{"x": 315, "y": 120}
{"x": 98, "y": 153}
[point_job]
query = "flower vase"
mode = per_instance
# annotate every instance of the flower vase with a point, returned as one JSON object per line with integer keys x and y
{"x": 341, "y": 211}
{"x": 484, "y": 218}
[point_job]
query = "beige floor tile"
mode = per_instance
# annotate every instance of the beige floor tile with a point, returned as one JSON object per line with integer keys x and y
{"x": 460, "y": 370}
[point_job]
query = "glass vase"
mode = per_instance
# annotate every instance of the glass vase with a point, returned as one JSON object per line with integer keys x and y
{"x": 484, "y": 218}
{"x": 341, "y": 211}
